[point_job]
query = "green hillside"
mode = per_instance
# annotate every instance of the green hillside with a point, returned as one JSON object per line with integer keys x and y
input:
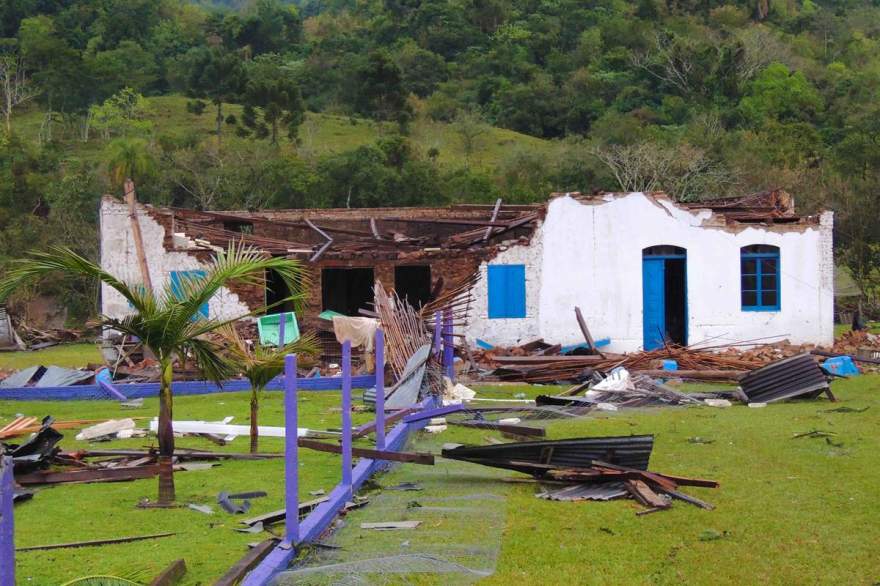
{"x": 320, "y": 134}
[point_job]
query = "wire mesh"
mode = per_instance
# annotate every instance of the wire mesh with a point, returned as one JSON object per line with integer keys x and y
{"x": 462, "y": 512}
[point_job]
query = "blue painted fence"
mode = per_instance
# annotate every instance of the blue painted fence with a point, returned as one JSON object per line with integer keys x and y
{"x": 181, "y": 388}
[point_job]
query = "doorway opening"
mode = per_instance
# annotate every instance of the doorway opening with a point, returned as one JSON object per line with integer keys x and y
{"x": 276, "y": 290}
{"x": 346, "y": 290}
{"x": 413, "y": 283}
{"x": 664, "y": 294}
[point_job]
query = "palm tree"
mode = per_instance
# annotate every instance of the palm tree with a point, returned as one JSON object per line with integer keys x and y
{"x": 168, "y": 323}
{"x": 260, "y": 364}
{"x": 129, "y": 157}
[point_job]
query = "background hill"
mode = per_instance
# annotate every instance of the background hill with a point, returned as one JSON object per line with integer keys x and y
{"x": 260, "y": 103}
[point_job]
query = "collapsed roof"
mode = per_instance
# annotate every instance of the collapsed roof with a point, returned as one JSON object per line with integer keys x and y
{"x": 313, "y": 234}
{"x": 774, "y": 206}
{"x": 410, "y": 233}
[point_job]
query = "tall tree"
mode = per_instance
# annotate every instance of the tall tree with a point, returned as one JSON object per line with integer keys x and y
{"x": 217, "y": 75}
{"x": 16, "y": 87}
{"x": 167, "y": 322}
{"x": 272, "y": 98}
{"x": 378, "y": 89}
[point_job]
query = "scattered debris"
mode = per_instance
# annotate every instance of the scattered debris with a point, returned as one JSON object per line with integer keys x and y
{"x": 224, "y": 499}
{"x": 95, "y": 542}
{"x": 536, "y": 457}
{"x": 224, "y": 429}
{"x": 114, "y": 428}
{"x": 253, "y": 557}
{"x": 579, "y": 492}
{"x": 590, "y": 469}
{"x": 37, "y": 452}
{"x": 846, "y": 409}
{"x": 717, "y": 403}
{"x": 171, "y": 575}
{"x": 405, "y": 486}
{"x": 798, "y": 376}
{"x": 814, "y": 433}
{"x": 391, "y": 525}
{"x": 91, "y": 475}
{"x": 201, "y": 508}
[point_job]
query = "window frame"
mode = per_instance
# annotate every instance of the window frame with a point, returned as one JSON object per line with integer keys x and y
{"x": 175, "y": 277}
{"x": 766, "y": 252}
{"x": 500, "y": 275}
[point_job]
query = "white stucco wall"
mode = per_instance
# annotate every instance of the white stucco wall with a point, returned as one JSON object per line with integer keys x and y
{"x": 589, "y": 254}
{"x": 119, "y": 257}
{"x": 518, "y": 330}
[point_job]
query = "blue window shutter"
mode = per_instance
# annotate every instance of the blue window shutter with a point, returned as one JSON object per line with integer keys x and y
{"x": 178, "y": 276}
{"x": 507, "y": 291}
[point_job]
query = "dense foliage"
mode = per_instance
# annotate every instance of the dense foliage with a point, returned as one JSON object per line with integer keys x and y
{"x": 700, "y": 98}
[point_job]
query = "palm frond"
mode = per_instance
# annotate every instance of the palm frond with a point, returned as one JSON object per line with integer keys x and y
{"x": 62, "y": 259}
{"x": 240, "y": 264}
{"x": 260, "y": 364}
{"x": 210, "y": 359}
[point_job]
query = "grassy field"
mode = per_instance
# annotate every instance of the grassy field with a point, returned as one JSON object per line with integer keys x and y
{"x": 319, "y": 134}
{"x": 67, "y": 355}
{"x": 789, "y": 510}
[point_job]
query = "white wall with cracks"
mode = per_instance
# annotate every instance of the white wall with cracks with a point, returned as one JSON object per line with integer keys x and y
{"x": 119, "y": 257}
{"x": 588, "y": 253}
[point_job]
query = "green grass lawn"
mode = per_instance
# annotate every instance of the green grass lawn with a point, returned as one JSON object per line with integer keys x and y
{"x": 67, "y": 355}
{"x": 789, "y": 511}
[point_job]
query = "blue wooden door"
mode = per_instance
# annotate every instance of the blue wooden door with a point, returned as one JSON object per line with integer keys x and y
{"x": 654, "y": 302}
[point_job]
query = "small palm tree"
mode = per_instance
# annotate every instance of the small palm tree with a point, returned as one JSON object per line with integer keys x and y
{"x": 260, "y": 364}
{"x": 168, "y": 323}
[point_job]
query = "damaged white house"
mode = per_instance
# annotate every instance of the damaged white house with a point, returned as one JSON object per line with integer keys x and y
{"x": 644, "y": 268}
{"x": 641, "y": 267}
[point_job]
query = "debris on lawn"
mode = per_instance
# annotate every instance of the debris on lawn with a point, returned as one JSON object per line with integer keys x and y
{"x": 171, "y": 575}
{"x": 797, "y": 376}
{"x": 227, "y": 431}
{"x": 391, "y": 525}
{"x": 36, "y": 452}
{"x": 253, "y": 557}
{"x": 201, "y": 508}
{"x": 621, "y": 389}
{"x": 113, "y": 428}
{"x": 95, "y": 542}
{"x": 600, "y": 468}
{"x": 224, "y": 499}
{"x": 51, "y": 376}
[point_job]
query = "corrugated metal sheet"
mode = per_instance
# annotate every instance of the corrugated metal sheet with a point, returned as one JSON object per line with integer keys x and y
{"x": 632, "y": 451}
{"x": 595, "y": 492}
{"x": 22, "y": 377}
{"x": 56, "y": 376}
{"x": 791, "y": 377}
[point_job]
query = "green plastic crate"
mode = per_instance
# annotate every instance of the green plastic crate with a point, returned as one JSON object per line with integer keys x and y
{"x": 268, "y": 328}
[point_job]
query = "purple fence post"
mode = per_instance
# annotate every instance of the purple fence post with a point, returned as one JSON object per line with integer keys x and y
{"x": 282, "y": 317}
{"x": 438, "y": 329}
{"x": 448, "y": 358}
{"x": 380, "y": 389}
{"x": 291, "y": 450}
{"x": 7, "y": 524}
{"x": 346, "y": 414}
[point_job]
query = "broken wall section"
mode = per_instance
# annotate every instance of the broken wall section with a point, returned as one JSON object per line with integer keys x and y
{"x": 119, "y": 257}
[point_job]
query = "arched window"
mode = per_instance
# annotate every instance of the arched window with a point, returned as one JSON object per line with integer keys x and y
{"x": 759, "y": 269}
